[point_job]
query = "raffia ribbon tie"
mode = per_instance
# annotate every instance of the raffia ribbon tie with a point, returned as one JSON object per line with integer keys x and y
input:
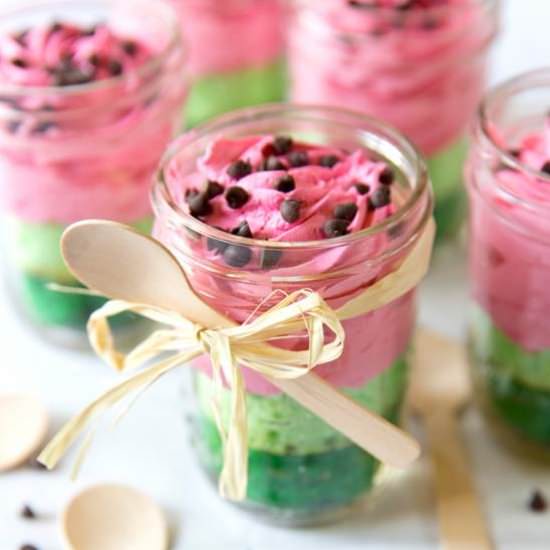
{"x": 302, "y": 314}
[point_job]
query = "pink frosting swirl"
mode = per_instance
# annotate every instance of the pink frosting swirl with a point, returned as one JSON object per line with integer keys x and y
{"x": 510, "y": 245}
{"x": 419, "y": 65}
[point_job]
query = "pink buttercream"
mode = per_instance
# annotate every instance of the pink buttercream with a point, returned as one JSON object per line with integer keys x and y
{"x": 231, "y": 35}
{"x": 510, "y": 248}
{"x": 86, "y": 126}
{"x": 373, "y": 341}
{"x": 421, "y": 69}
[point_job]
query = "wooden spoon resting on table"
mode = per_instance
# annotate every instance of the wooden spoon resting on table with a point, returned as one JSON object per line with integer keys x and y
{"x": 123, "y": 264}
{"x": 440, "y": 390}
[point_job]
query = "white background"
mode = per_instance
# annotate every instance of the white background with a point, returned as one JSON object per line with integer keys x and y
{"x": 149, "y": 449}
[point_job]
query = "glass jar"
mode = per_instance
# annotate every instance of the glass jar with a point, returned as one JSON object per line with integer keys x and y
{"x": 236, "y": 54}
{"x": 301, "y": 470}
{"x": 420, "y": 68}
{"x": 88, "y": 150}
{"x": 510, "y": 261}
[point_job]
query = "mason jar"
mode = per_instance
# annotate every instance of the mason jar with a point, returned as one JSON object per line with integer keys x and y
{"x": 420, "y": 66}
{"x": 300, "y": 470}
{"x": 508, "y": 179}
{"x": 73, "y": 147}
{"x": 236, "y": 54}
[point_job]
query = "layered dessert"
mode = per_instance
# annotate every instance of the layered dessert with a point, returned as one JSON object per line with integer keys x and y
{"x": 417, "y": 64}
{"x": 85, "y": 114}
{"x": 236, "y": 54}
{"x": 510, "y": 271}
{"x": 273, "y": 214}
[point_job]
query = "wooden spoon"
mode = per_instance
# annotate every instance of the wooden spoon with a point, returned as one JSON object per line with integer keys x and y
{"x": 439, "y": 392}
{"x": 121, "y": 263}
{"x": 113, "y": 517}
{"x": 23, "y": 427}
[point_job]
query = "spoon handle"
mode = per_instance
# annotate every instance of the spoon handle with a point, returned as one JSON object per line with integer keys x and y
{"x": 371, "y": 432}
{"x": 461, "y": 519}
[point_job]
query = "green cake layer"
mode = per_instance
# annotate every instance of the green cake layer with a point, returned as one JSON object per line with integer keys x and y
{"x": 296, "y": 461}
{"x": 37, "y": 262}
{"x": 219, "y": 93}
{"x": 516, "y": 381}
{"x": 446, "y": 172}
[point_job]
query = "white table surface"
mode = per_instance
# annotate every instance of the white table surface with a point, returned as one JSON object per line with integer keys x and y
{"x": 149, "y": 449}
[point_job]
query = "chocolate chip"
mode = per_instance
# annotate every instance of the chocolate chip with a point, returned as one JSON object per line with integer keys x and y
{"x": 28, "y": 547}
{"x": 282, "y": 144}
{"x": 362, "y": 188}
{"x": 90, "y": 31}
{"x": 56, "y": 27}
{"x": 271, "y": 163}
{"x": 297, "y": 159}
{"x": 216, "y": 245}
{"x": 71, "y": 77}
{"x": 21, "y": 37}
{"x": 406, "y": 5}
{"x": 546, "y": 168}
{"x": 115, "y": 67}
{"x": 199, "y": 205}
{"x": 18, "y": 62}
{"x": 130, "y": 47}
{"x": 94, "y": 60}
{"x": 380, "y": 197}
{"x": 360, "y": 5}
{"x": 345, "y": 211}
{"x": 27, "y": 512}
{"x": 239, "y": 169}
{"x": 335, "y": 228}
{"x": 514, "y": 153}
{"x": 43, "y": 127}
{"x": 386, "y": 177}
{"x": 236, "y": 197}
{"x": 537, "y": 502}
{"x": 290, "y": 210}
{"x": 242, "y": 230}
{"x": 328, "y": 161}
{"x": 285, "y": 184}
{"x": 237, "y": 255}
{"x": 13, "y": 125}
{"x": 213, "y": 189}
{"x": 270, "y": 258}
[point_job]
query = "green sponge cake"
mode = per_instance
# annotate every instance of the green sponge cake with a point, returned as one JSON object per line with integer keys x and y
{"x": 219, "y": 93}
{"x": 296, "y": 461}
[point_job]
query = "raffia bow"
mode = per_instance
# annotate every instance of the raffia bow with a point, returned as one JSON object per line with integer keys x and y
{"x": 303, "y": 314}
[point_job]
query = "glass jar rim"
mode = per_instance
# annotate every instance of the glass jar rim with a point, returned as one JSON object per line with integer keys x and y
{"x": 504, "y": 91}
{"x": 175, "y": 41}
{"x": 161, "y": 191}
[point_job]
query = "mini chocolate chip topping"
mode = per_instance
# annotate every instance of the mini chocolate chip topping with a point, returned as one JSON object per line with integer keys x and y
{"x": 27, "y": 512}
{"x": 514, "y": 153}
{"x": 213, "y": 189}
{"x": 380, "y": 197}
{"x": 239, "y": 169}
{"x": 199, "y": 205}
{"x": 290, "y": 210}
{"x": 18, "y": 62}
{"x": 297, "y": 159}
{"x": 243, "y": 230}
{"x": 130, "y": 47}
{"x": 362, "y": 188}
{"x": 270, "y": 258}
{"x": 28, "y": 547}
{"x": 115, "y": 67}
{"x": 285, "y": 184}
{"x": 537, "y": 502}
{"x": 386, "y": 177}
{"x": 71, "y": 76}
{"x": 335, "y": 228}
{"x": 271, "y": 163}
{"x": 237, "y": 255}
{"x": 328, "y": 161}
{"x": 282, "y": 144}
{"x": 546, "y": 168}
{"x": 345, "y": 211}
{"x": 360, "y": 5}
{"x": 94, "y": 60}
{"x": 236, "y": 197}
{"x": 44, "y": 126}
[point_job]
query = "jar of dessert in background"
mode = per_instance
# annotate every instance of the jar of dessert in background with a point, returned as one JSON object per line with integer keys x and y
{"x": 236, "y": 54}
{"x": 90, "y": 95}
{"x": 508, "y": 179}
{"x": 276, "y": 199}
{"x": 420, "y": 65}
